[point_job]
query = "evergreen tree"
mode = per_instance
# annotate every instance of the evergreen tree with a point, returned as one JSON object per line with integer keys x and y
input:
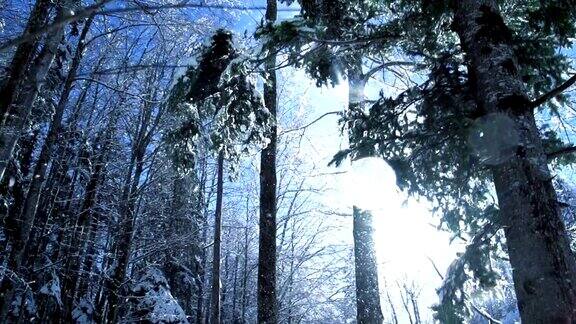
{"x": 218, "y": 91}
{"x": 470, "y": 129}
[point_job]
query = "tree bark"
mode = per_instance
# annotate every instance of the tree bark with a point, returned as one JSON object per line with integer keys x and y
{"x": 22, "y": 57}
{"x": 368, "y": 307}
{"x": 45, "y": 156}
{"x": 200, "y": 262}
{"x": 19, "y": 174}
{"x": 23, "y": 103}
{"x": 8, "y": 139}
{"x": 185, "y": 220}
{"x": 544, "y": 268}
{"x": 245, "y": 265}
{"x": 215, "y": 296}
{"x": 123, "y": 245}
{"x": 267, "y": 303}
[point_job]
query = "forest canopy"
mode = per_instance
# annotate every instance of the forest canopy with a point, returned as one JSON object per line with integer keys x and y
{"x": 282, "y": 161}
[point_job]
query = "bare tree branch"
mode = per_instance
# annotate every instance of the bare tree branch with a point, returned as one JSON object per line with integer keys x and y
{"x": 97, "y": 9}
{"x": 312, "y": 122}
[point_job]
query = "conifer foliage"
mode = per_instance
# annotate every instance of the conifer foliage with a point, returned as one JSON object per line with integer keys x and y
{"x": 156, "y": 162}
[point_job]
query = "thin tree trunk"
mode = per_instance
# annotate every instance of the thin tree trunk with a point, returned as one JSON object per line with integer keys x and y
{"x": 215, "y": 296}
{"x": 415, "y": 308}
{"x": 368, "y": 306}
{"x": 267, "y": 303}
{"x": 123, "y": 245}
{"x": 544, "y": 268}
{"x": 245, "y": 265}
{"x": 392, "y": 307}
{"x": 8, "y": 140}
{"x": 200, "y": 261}
{"x": 235, "y": 288}
{"x": 405, "y": 301}
{"x": 39, "y": 176}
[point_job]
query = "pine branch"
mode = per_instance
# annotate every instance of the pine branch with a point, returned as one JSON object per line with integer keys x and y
{"x": 561, "y": 152}
{"x": 483, "y": 313}
{"x": 386, "y": 65}
{"x": 554, "y": 92}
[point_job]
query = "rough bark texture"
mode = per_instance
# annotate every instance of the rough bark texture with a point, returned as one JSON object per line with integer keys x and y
{"x": 8, "y": 139}
{"x": 22, "y": 57}
{"x": 82, "y": 247}
{"x": 368, "y": 307}
{"x": 267, "y": 304}
{"x": 543, "y": 266}
{"x": 215, "y": 300}
{"x": 45, "y": 156}
{"x": 13, "y": 127}
{"x": 37, "y": 183}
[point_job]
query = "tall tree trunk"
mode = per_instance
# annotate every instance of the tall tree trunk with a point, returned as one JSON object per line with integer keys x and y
{"x": 245, "y": 264}
{"x": 8, "y": 140}
{"x": 23, "y": 57}
{"x": 224, "y": 292}
{"x": 215, "y": 296}
{"x": 200, "y": 262}
{"x": 366, "y": 269}
{"x": 235, "y": 286}
{"x": 45, "y": 157}
{"x": 267, "y": 303}
{"x": 544, "y": 268}
{"x": 39, "y": 175}
{"x": 23, "y": 103}
{"x": 185, "y": 220}
{"x": 85, "y": 229}
{"x": 19, "y": 173}
{"x": 368, "y": 306}
{"x": 123, "y": 245}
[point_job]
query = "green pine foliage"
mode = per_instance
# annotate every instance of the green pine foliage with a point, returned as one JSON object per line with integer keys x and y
{"x": 216, "y": 104}
{"x": 328, "y": 36}
{"x": 432, "y": 134}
